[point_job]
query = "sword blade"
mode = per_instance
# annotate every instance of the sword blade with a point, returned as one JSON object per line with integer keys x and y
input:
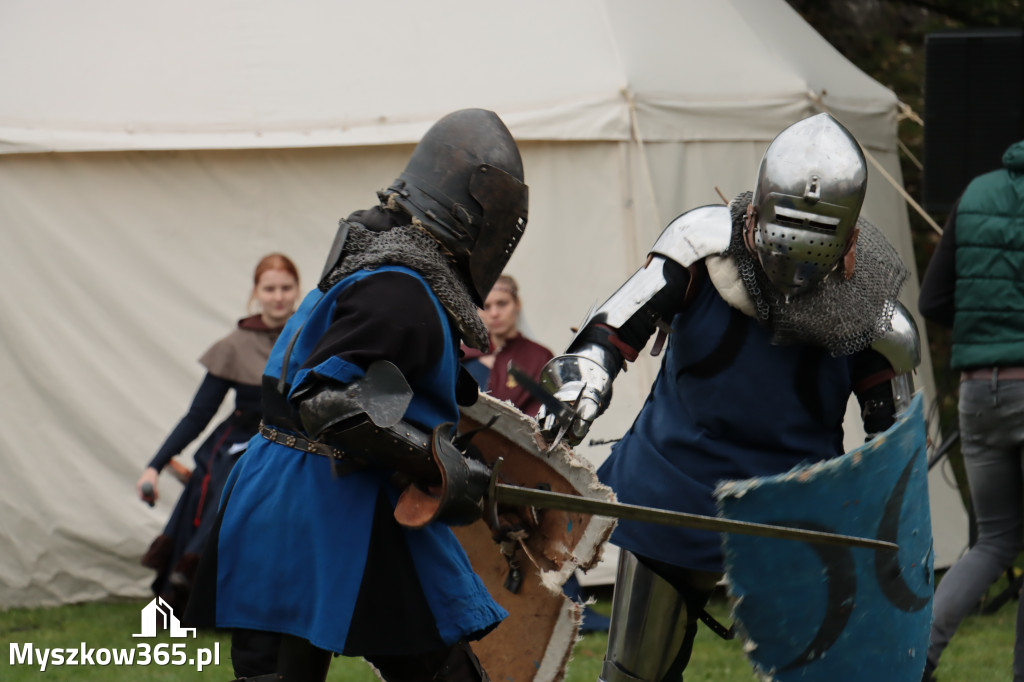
{"x": 546, "y": 499}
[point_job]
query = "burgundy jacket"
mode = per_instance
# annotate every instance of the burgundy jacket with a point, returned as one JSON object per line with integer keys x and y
{"x": 528, "y": 356}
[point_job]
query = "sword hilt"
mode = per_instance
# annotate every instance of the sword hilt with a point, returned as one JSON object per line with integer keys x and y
{"x": 491, "y": 503}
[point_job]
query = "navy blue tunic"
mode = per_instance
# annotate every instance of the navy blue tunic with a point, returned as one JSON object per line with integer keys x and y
{"x": 714, "y": 415}
{"x": 295, "y": 541}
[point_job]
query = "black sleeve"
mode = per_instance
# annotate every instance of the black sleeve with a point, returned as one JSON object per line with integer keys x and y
{"x": 204, "y": 406}
{"x": 872, "y": 375}
{"x": 938, "y": 287}
{"x": 664, "y": 305}
{"x": 385, "y": 316}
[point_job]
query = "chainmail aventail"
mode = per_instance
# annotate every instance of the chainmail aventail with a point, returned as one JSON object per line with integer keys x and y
{"x": 842, "y": 315}
{"x": 410, "y": 246}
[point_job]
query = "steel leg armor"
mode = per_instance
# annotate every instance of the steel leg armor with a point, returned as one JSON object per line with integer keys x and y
{"x": 652, "y": 628}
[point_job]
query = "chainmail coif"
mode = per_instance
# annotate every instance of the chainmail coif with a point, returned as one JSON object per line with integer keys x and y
{"x": 842, "y": 315}
{"x": 412, "y": 247}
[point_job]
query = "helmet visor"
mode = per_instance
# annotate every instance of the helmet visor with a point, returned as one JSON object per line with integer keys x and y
{"x": 504, "y": 201}
{"x": 799, "y": 243}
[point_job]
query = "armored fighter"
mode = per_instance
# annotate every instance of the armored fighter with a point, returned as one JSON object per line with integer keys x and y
{"x": 308, "y": 545}
{"x": 770, "y": 312}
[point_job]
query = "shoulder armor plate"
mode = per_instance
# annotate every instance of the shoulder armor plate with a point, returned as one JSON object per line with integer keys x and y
{"x": 902, "y": 344}
{"x": 696, "y": 234}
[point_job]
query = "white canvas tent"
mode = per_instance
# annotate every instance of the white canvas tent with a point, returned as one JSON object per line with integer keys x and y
{"x": 151, "y": 152}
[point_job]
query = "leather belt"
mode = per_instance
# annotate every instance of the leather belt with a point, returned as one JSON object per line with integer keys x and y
{"x": 986, "y": 373}
{"x": 299, "y": 443}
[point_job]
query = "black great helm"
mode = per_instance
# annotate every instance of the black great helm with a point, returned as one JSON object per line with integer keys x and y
{"x": 464, "y": 185}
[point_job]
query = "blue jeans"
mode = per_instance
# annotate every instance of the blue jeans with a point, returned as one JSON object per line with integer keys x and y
{"x": 992, "y": 443}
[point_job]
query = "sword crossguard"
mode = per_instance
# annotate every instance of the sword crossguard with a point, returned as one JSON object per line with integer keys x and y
{"x": 491, "y": 503}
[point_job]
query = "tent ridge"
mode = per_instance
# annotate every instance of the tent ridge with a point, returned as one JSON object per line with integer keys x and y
{"x": 600, "y": 117}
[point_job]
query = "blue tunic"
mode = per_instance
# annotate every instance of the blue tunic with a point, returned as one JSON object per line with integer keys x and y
{"x": 294, "y": 539}
{"x": 763, "y": 410}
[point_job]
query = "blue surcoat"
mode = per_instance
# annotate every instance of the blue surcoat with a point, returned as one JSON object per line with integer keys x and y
{"x": 294, "y": 538}
{"x": 755, "y": 410}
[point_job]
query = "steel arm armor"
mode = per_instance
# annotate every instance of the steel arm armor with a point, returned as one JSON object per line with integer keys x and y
{"x": 902, "y": 348}
{"x": 612, "y": 333}
{"x": 619, "y": 328}
{"x": 891, "y": 389}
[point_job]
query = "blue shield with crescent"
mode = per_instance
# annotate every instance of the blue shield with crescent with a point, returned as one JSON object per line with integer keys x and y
{"x": 815, "y": 612}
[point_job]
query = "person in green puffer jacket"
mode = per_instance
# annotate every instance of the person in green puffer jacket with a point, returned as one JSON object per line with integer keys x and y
{"x": 975, "y": 284}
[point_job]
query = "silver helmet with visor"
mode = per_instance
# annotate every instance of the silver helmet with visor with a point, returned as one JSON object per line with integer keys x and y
{"x": 808, "y": 196}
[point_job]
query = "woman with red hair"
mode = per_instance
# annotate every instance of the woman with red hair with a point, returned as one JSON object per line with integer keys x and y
{"x": 236, "y": 363}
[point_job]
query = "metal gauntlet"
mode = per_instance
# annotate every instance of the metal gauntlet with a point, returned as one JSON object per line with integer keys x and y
{"x": 583, "y": 382}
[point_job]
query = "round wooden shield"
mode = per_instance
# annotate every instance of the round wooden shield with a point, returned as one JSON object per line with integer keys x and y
{"x": 535, "y": 642}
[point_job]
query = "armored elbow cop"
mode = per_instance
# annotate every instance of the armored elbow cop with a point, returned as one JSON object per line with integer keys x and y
{"x": 901, "y": 346}
{"x": 657, "y": 291}
{"x": 651, "y": 296}
{"x": 885, "y": 385}
{"x": 582, "y": 377}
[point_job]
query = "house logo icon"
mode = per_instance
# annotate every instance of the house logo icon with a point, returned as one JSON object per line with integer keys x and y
{"x": 158, "y": 615}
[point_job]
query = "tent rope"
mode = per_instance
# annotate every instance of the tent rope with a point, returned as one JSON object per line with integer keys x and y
{"x": 634, "y": 124}
{"x": 817, "y": 99}
{"x": 906, "y": 112}
{"x": 910, "y": 155}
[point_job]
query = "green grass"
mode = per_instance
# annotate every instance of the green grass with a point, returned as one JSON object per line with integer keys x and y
{"x": 981, "y": 650}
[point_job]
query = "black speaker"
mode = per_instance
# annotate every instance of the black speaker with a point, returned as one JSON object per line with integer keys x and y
{"x": 974, "y": 108}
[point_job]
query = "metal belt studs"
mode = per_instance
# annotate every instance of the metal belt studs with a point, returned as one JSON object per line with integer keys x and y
{"x": 304, "y": 444}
